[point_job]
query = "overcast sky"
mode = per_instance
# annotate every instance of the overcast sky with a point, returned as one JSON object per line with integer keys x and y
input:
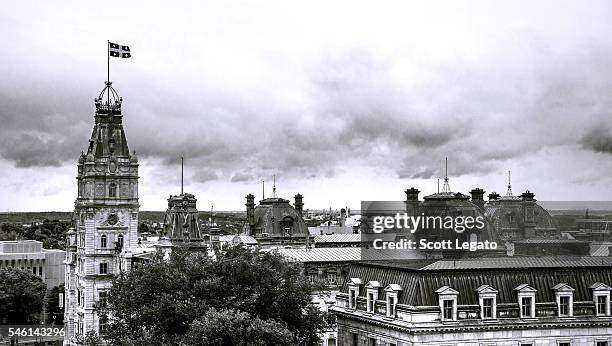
{"x": 343, "y": 100}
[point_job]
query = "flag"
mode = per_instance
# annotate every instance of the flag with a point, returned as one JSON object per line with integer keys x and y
{"x": 118, "y": 51}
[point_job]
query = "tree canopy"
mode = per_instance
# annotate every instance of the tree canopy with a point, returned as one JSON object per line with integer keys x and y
{"x": 21, "y": 296}
{"x": 242, "y": 297}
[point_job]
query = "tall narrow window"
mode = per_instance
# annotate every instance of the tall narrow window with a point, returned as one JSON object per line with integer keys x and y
{"x": 526, "y": 306}
{"x": 601, "y": 305}
{"x": 564, "y": 295}
{"x": 120, "y": 241}
{"x": 102, "y": 328}
{"x": 371, "y": 302}
{"x": 352, "y": 299}
{"x": 447, "y": 300}
{"x": 601, "y": 298}
{"x": 112, "y": 190}
{"x": 448, "y": 309}
{"x": 353, "y": 284}
{"x": 487, "y": 308}
{"x": 102, "y": 298}
{"x": 391, "y": 305}
{"x": 564, "y": 305}
{"x": 103, "y": 268}
{"x": 103, "y": 241}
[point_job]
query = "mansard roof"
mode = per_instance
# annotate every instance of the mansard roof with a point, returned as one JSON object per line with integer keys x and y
{"x": 421, "y": 281}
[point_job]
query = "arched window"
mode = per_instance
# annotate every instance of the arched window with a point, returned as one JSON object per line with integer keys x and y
{"x": 112, "y": 190}
{"x": 103, "y": 241}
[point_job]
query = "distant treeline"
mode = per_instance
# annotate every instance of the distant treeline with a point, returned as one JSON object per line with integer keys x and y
{"x": 52, "y": 233}
{"x": 33, "y": 217}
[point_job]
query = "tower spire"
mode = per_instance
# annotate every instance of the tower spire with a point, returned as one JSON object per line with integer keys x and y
{"x": 509, "y": 192}
{"x": 446, "y": 186}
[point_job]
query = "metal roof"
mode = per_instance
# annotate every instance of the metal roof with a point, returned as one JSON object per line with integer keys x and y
{"x": 347, "y": 254}
{"x": 503, "y": 274}
{"x": 338, "y": 238}
{"x": 520, "y": 262}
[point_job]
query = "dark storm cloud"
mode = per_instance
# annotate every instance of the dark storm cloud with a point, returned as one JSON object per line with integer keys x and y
{"x": 598, "y": 139}
{"x": 38, "y": 126}
{"x": 311, "y": 115}
{"x": 203, "y": 175}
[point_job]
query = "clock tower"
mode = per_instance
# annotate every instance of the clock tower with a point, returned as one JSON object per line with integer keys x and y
{"x": 106, "y": 218}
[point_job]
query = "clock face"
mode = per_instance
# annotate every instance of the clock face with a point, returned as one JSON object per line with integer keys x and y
{"x": 112, "y": 219}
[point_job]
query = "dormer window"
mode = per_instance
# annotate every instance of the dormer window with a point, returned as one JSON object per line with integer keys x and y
{"x": 447, "y": 300}
{"x": 372, "y": 288}
{"x": 392, "y": 293}
{"x": 487, "y": 298}
{"x": 564, "y": 294}
{"x": 353, "y": 285}
{"x": 601, "y": 298}
{"x": 526, "y": 300}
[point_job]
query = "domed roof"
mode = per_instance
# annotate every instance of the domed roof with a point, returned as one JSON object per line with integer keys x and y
{"x": 456, "y": 206}
{"x": 275, "y": 217}
{"x": 507, "y": 217}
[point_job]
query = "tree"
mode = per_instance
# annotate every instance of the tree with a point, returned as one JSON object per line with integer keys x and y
{"x": 143, "y": 228}
{"x": 165, "y": 302}
{"x": 21, "y": 296}
{"x": 52, "y": 303}
{"x": 228, "y": 327}
{"x": 92, "y": 339}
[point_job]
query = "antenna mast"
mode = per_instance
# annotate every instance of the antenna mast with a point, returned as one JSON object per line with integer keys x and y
{"x": 446, "y": 187}
{"x": 181, "y": 175}
{"x": 263, "y": 189}
{"x": 274, "y": 186}
{"x": 509, "y": 192}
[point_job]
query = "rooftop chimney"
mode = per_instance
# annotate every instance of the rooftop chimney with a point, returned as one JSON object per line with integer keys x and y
{"x": 478, "y": 196}
{"x": 528, "y": 196}
{"x": 250, "y": 209}
{"x": 299, "y": 205}
{"x": 412, "y": 194}
{"x": 494, "y": 196}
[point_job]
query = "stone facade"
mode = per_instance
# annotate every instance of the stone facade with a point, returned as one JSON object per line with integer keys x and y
{"x": 106, "y": 218}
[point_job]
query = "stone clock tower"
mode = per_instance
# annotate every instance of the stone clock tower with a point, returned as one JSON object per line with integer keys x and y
{"x": 106, "y": 218}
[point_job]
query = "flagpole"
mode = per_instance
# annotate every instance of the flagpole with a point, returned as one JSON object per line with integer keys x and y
{"x": 107, "y": 61}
